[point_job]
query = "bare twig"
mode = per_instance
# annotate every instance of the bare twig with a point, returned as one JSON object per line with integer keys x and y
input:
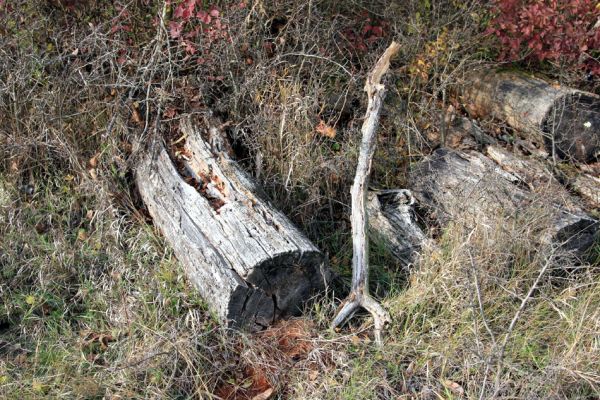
{"x": 359, "y": 295}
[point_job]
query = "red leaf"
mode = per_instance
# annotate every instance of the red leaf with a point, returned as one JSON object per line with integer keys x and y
{"x": 185, "y": 10}
{"x": 377, "y": 31}
{"x": 203, "y": 17}
{"x": 175, "y": 29}
{"x": 190, "y": 48}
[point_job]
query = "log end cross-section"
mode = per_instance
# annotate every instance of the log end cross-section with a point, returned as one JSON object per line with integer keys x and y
{"x": 248, "y": 261}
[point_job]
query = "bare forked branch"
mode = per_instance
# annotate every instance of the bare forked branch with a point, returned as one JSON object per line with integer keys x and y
{"x": 359, "y": 295}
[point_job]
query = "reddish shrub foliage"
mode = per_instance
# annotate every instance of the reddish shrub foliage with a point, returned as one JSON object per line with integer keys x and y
{"x": 556, "y": 30}
{"x": 192, "y": 20}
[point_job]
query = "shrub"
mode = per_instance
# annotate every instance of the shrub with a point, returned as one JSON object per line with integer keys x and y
{"x": 555, "y": 30}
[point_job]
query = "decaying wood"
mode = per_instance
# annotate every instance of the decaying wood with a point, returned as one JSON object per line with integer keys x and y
{"x": 540, "y": 178}
{"x": 359, "y": 294}
{"x": 247, "y": 259}
{"x": 565, "y": 120}
{"x": 392, "y": 220}
{"x": 469, "y": 188}
{"x": 588, "y": 187}
{"x": 529, "y": 170}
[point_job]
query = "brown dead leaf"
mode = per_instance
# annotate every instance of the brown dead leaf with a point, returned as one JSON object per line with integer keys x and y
{"x": 292, "y": 337}
{"x": 93, "y": 162}
{"x": 264, "y": 395}
{"x": 90, "y": 214}
{"x": 453, "y": 140}
{"x": 170, "y": 112}
{"x": 454, "y": 387}
{"x": 325, "y": 130}
{"x": 14, "y": 166}
{"x": 136, "y": 117}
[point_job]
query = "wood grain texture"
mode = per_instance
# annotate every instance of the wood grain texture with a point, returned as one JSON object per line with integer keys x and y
{"x": 359, "y": 294}
{"x": 249, "y": 262}
{"x": 392, "y": 220}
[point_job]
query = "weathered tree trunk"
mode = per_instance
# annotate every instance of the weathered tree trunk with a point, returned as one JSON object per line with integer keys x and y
{"x": 470, "y": 188}
{"x": 530, "y": 171}
{"x": 392, "y": 220}
{"x": 247, "y": 259}
{"x": 565, "y": 120}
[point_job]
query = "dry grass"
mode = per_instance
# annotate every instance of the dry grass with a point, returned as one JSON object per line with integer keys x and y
{"x": 94, "y": 305}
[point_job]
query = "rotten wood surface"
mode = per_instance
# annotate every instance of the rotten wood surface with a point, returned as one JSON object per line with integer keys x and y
{"x": 588, "y": 187}
{"x": 471, "y": 189}
{"x": 359, "y": 293}
{"x": 564, "y": 120}
{"x": 393, "y": 221}
{"x": 248, "y": 261}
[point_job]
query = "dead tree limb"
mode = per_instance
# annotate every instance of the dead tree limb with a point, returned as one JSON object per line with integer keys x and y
{"x": 359, "y": 294}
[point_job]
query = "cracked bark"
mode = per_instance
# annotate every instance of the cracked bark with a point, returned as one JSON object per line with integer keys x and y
{"x": 248, "y": 261}
{"x": 359, "y": 294}
{"x": 392, "y": 220}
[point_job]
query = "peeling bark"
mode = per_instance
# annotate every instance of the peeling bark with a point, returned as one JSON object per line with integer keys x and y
{"x": 392, "y": 220}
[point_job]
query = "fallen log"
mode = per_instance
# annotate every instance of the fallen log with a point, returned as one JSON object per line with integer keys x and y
{"x": 564, "y": 120}
{"x": 247, "y": 260}
{"x": 530, "y": 171}
{"x": 392, "y": 220}
{"x": 470, "y": 188}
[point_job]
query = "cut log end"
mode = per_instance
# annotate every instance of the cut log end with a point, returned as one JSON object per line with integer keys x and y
{"x": 277, "y": 288}
{"x": 565, "y": 120}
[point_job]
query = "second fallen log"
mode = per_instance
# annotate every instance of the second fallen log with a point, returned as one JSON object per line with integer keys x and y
{"x": 392, "y": 220}
{"x": 469, "y": 188}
